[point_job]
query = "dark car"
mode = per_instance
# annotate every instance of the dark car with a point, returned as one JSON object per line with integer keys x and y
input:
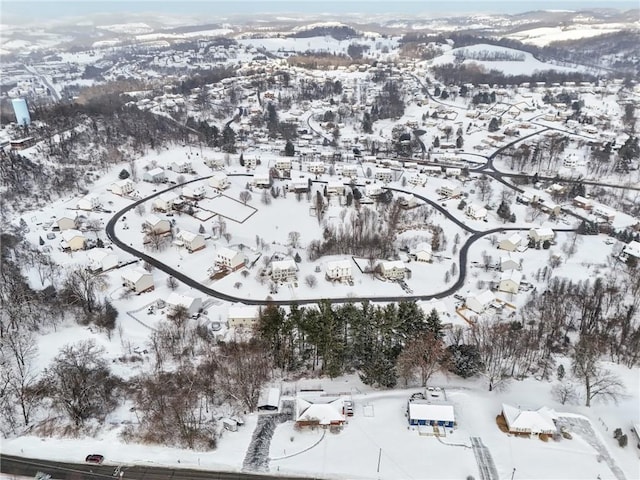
{"x": 94, "y": 458}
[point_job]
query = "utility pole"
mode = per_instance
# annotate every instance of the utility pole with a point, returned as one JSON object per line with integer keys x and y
{"x": 379, "y": 457}
{"x": 513, "y": 472}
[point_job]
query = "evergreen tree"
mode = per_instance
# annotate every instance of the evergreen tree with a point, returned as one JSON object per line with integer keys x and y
{"x": 464, "y": 360}
{"x": 494, "y": 125}
{"x": 434, "y": 325}
{"x": 289, "y": 149}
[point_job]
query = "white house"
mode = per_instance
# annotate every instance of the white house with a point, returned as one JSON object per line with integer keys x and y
{"x": 541, "y": 234}
{"x": 339, "y": 270}
{"x": 393, "y": 269}
{"x": 480, "y": 301}
{"x": 431, "y": 170}
{"x": 284, "y": 270}
{"x": 181, "y": 166}
{"x": 316, "y": 167}
{"x": 476, "y": 211}
{"x": 137, "y": 280}
{"x": 123, "y": 187}
{"x": 283, "y": 164}
{"x": 417, "y": 179}
{"x": 631, "y": 249}
{"x": 101, "y": 259}
{"x": 192, "y": 304}
{"x": 453, "y": 172}
{"x": 88, "y": 203}
{"x": 72, "y": 240}
{"x": 66, "y": 223}
{"x": 189, "y": 240}
{"x": 449, "y": 190}
{"x": 229, "y": 259}
{"x": 155, "y": 175}
{"x": 350, "y": 171}
{"x": 512, "y": 243}
{"x": 319, "y": 411}
{"x": 261, "y": 180}
{"x": 510, "y": 281}
{"x": 335, "y": 188}
{"x": 423, "y": 252}
{"x": 194, "y": 192}
{"x": 508, "y": 263}
{"x": 536, "y": 422}
{"x": 372, "y": 190}
{"x": 219, "y": 181}
{"x": 166, "y": 202}
{"x": 242, "y": 316}
{"x": 157, "y": 225}
{"x": 384, "y": 175}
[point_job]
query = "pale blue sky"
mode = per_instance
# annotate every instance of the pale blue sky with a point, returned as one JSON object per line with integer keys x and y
{"x": 25, "y": 10}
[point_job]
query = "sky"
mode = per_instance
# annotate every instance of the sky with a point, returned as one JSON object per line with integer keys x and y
{"x": 20, "y": 11}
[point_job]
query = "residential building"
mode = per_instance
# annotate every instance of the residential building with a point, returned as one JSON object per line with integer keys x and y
{"x": 449, "y": 190}
{"x": 261, "y": 180}
{"x": 324, "y": 411}
{"x": 123, "y": 187}
{"x": 476, "y": 211}
{"x": 66, "y": 223}
{"x": 156, "y": 225}
{"x": 632, "y": 249}
{"x": 583, "y": 202}
{"x": 137, "y": 280}
{"x": 155, "y": 175}
{"x": 417, "y": 179}
{"x": 192, "y": 192}
{"x": 219, "y": 181}
{"x": 423, "y": 252}
{"x": 541, "y": 234}
{"x": 508, "y": 263}
{"x": 384, "y": 175}
{"x": 181, "y": 166}
{"x": 229, "y": 259}
{"x": 339, "y": 270}
{"x": 512, "y": 243}
{"x": 480, "y": 301}
{"x": 192, "y": 304}
{"x": 89, "y": 203}
{"x": 284, "y": 270}
{"x": 283, "y": 164}
{"x": 350, "y": 171}
{"x": 166, "y": 202}
{"x": 422, "y": 413}
{"x": 373, "y": 190}
{"x": 535, "y": 422}
{"x": 316, "y": 167}
{"x": 101, "y": 259}
{"x": 242, "y": 316}
{"x": 72, "y": 240}
{"x": 336, "y": 188}
{"x": 510, "y": 281}
{"x": 191, "y": 241}
{"x": 393, "y": 269}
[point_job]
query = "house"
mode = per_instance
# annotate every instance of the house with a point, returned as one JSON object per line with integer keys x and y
{"x": 431, "y": 170}
{"x": 632, "y": 249}
{"x": 422, "y": 412}
{"x": 88, "y": 203}
{"x": 480, "y": 301}
{"x": 339, "y": 270}
{"x": 453, "y": 172}
{"x": 582, "y": 202}
{"x": 417, "y": 179}
{"x": 449, "y": 190}
{"x": 510, "y": 281}
{"x": 319, "y": 411}
{"x": 181, "y": 166}
{"x": 219, "y": 181}
{"x": 384, "y": 175}
{"x": 156, "y": 225}
{"x": 536, "y": 422}
{"x": 423, "y": 252}
{"x": 508, "y": 263}
{"x": 261, "y": 180}
{"x": 166, "y": 202}
{"x": 373, "y": 190}
{"x": 269, "y": 399}
{"x": 137, "y": 280}
{"x": 299, "y": 185}
{"x": 336, "y": 188}
{"x": 393, "y": 269}
{"x": 242, "y": 317}
{"x": 316, "y": 167}
{"x": 123, "y": 187}
{"x": 283, "y": 164}
{"x": 350, "y": 171}
{"x": 101, "y": 259}
{"x": 476, "y": 211}
{"x": 603, "y": 212}
{"x": 155, "y": 175}
{"x": 541, "y": 234}
{"x": 72, "y": 240}
{"x": 191, "y": 241}
{"x": 284, "y": 270}
{"x": 512, "y": 243}
{"x": 229, "y": 259}
{"x": 193, "y": 193}
{"x": 66, "y": 223}
{"x": 192, "y": 304}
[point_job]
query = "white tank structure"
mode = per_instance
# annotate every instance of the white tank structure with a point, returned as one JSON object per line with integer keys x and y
{"x": 22, "y": 111}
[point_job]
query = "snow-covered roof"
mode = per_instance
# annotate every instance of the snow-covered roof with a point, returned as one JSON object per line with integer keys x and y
{"x": 423, "y": 247}
{"x": 632, "y": 248}
{"x": 338, "y": 264}
{"x": 285, "y": 264}
{"x": 431, "y": 411}
{"x": 536, "y": 421}
{"x": 484, "y": 298}
{"x": 96, "y": 255}
{"x": 154, "y": 219}
{"x": 243, "y": 312}
{"x": 324, "y": 411}
{"x": 513, "y": 275}
{"x": 437, "y": 305}
{"x": 225, "y": 252}
{"x": 515, "y": 239}
{"x": 391, "y": 264}
{"x": 187, "y": 236}
{"x": 543, "y": 231}
{"x": 68, "y": 235}
{"x": 156, "y": 171}
{"x": 175, "y": 299}
{"x": 134, "y": 274}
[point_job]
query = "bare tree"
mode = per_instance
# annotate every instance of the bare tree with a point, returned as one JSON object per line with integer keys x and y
{"x": 564, "y": 392}
{"x": 294, "y": 239}
{"x": 483, "y": 184}
{"x": 421, "y": 357}
{"x": 597, "y": 381}
{"x": 172, "y": 283}
{"x": 310, "y": 280}
{"x": 244, "y": 196}
{"x": 81, "y": 288}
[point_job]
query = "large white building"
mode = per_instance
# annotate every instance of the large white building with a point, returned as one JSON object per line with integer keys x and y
{"x": 284, "y": 270}
{"x": 229, "y": 259}
{"x": 339, "y": 270}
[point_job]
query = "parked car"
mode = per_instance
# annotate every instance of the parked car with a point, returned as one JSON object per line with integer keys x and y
{"x": 94, "y": 458}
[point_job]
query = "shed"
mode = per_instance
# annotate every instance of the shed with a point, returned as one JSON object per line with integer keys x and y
{"x": 269, "y": 399}
{"x": 424, "y": 413}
